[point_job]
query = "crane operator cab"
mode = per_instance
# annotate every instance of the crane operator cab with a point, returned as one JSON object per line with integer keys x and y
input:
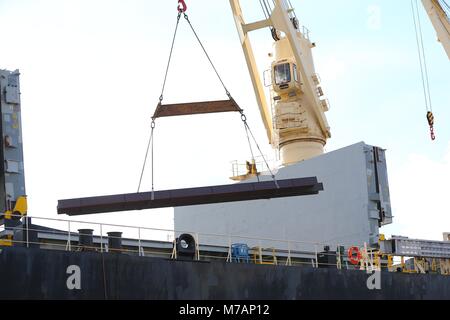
{"x": 286, "y": 79}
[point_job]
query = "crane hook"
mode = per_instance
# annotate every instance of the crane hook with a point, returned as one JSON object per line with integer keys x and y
{"x": 430, "y": 118}
{"x": 182, "y": 7}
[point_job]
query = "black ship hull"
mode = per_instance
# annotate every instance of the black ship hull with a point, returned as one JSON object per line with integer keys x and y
{"x": 46, "y": 274}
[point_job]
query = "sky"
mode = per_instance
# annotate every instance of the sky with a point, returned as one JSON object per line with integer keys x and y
{"x": 91, "y": 76}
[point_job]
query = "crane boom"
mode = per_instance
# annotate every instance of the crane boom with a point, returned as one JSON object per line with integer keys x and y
{"x": 243, "y": 30}
{"x": 440, "y": 22}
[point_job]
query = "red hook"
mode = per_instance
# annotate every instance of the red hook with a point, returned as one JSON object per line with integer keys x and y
{"x": 433, "y": 135}
{"x": 182, "y": 7}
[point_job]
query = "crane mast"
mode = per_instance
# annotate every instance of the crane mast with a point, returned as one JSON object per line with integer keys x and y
{"x": 13, "y": 199}
{"x": 296, "y": 125}
{"x": 440, "y": 21}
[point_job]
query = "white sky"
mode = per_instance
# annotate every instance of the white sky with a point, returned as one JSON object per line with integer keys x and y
{"x": 92, "y": 73}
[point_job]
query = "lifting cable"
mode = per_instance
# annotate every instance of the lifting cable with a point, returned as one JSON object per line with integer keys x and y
{"x": 207, "y": 55}
{"x": 161, "y": 98}
{"x": 267, "y": 10}
{"x": 150, "y": 147}
{"x": 248, "y": 130}
{"x": 247, "y": 133}
{"x": 445, "y": 6}
{"x": 423, "y": 67}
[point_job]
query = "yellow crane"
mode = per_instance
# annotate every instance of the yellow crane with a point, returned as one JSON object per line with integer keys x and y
{"x": 295, "y": 118}
{"x": 437, "y": 11}
{"x": 297, "y": 126}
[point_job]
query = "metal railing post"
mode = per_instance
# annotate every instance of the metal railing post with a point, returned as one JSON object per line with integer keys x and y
{"x": 69, "y": 241}
{"x": 317, "y": 256}
{"x": 230, "y": 255}
{"x": 289, "y": 261}
{"x": 260, "y": 252}
{"x": 139, "y": 242}
{"x": 338, "y": 258}
{"x": 197, "y": 247}
{"x": 27, "y": 228}
{"x": 101, "y": 238}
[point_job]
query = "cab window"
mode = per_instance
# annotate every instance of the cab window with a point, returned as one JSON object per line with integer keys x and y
{"x": 282, "y": 73}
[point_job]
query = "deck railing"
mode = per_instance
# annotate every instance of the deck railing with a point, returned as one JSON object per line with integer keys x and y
{"x": 62, "y": 234}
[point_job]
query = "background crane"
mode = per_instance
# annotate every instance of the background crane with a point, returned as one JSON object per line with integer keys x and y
{"x": 438, "y": 11}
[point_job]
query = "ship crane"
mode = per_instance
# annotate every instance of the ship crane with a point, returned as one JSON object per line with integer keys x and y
{"x": 297, "y": 127}
{"x": 295, "y": 119}
{"x": 438, "y": 11}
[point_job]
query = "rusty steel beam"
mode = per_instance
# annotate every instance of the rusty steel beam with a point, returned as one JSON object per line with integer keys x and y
{"x": 189, "y": 197}
{"x": 184, "y": 109}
